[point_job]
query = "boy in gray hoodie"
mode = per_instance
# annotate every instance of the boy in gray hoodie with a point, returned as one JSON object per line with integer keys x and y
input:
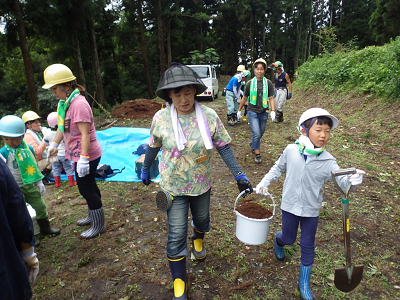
{"x": 308, "y": 167}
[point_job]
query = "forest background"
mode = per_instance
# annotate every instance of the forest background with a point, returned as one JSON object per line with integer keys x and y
{"x": 118, "y": 49}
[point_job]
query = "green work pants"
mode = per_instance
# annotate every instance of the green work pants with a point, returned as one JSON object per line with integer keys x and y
{"x": 32, "y": 196}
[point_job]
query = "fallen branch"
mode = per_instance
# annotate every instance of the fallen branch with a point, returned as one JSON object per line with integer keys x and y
{"x": 363, "y": 223}
{"x": 120, "y": 224}
{"x": 243, "y": 286}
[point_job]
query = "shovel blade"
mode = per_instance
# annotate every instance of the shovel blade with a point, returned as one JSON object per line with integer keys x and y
{"x": 348, "y": 278}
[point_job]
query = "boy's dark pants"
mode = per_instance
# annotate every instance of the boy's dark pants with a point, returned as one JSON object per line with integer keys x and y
{"x": 308, "y": 226}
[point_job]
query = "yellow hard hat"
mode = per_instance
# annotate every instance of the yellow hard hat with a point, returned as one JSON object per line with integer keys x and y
{"x": 240, "y": 68}
{"x": 262, "y": 61}
{"x": 29, "y": 116}
{"x": 56, "y": 74}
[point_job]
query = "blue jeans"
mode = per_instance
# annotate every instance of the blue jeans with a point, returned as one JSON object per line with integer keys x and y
{"x": 178, "y": 221}
{"x": 258, "y": 122}
{"x": 66, "y": 163}
{"x": 308, "y": 226}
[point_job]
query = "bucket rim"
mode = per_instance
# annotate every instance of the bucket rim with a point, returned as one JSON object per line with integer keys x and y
{"x": 252, "y": 219}
{"x": 264, "y": 194}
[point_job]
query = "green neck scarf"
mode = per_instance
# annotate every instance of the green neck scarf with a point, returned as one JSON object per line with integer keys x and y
{"x": 253, "y": 92}
{"x": 26, "y": 162}
{"x": 62, "y": 109}
{"x": 307, "y": 148}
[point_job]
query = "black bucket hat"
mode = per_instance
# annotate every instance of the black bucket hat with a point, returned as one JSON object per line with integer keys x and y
{"x": 176, "y": 76}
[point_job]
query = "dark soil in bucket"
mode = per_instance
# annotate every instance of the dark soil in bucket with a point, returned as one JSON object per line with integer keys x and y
{"x": 254, "y": 211}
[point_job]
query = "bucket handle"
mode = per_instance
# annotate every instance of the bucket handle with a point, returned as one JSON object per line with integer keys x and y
{"x": 264, "y": 194}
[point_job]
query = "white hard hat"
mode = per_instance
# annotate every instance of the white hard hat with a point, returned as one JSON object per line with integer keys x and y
{"x": 317, "y": 112}
{"x": 240, "y": 68}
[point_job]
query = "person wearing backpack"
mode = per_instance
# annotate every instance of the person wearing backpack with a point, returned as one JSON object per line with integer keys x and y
{"x": 76, "y": 126}
{"x": 282, "y": 82}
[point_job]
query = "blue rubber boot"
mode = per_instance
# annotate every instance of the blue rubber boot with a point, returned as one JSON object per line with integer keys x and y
{"x": 178, "y": 271}
{"x": 279, "y": 251}
{"x": 199, "y": 251}
{"x": 304, "y": 279}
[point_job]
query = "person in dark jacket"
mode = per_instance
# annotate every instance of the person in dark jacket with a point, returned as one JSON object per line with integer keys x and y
{"x": 19, "y": 263}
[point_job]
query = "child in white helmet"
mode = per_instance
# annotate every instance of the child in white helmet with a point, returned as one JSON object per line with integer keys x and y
{"x": 49, "y": 136}
{"x": 21, "y": 160}
{"x": 308, "y": 167}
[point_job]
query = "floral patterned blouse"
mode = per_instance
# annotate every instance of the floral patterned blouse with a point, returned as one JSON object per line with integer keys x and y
{"x": 180, "y": 174}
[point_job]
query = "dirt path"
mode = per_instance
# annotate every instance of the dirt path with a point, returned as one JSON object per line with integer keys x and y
{"x": 129, "y": 261}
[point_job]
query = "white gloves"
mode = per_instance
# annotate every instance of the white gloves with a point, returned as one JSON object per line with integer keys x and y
{"x": 239, "y": 115}
{"x": 31, "y": 263}
{"x": 260, "y": 189}
{"x": 272, "y": 115}
{"x": 356, "y": 179}
{"x": 82, "y": 167}
{"x": 40, "y": 186}
{"x": 52, "y": 152}
{"x": 241, "y": 93}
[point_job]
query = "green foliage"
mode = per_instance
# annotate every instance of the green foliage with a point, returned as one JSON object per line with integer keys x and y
{"x": 370, "y": 70}
{"x": 210, "y": 56}
{"x": 329, "y": 44}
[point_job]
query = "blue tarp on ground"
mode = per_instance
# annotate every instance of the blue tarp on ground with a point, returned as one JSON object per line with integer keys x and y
{"x": 117, "y": 144}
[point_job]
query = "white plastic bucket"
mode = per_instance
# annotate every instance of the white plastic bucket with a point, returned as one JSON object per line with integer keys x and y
{"x": 252, "y": 231}
{"x": 32, "y": 213}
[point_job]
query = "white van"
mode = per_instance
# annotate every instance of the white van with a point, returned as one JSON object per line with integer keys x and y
{"x": 208, "y": 75}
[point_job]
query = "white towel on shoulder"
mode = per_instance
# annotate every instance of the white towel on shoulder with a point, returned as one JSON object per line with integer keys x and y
{"x": 203, "y": 126}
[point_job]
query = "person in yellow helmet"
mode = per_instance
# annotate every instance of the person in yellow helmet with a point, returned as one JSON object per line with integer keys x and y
{"x": 76, "y": 126}
{"x": 260, "y": 92}
{"x": 34, "y": 137}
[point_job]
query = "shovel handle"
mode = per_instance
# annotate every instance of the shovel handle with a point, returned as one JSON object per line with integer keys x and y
{"x": 342, "y": 172}
{"x": 346, "y": 231}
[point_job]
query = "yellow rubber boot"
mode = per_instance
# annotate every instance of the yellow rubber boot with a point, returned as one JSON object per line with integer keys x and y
{"x": 178, "y": 272}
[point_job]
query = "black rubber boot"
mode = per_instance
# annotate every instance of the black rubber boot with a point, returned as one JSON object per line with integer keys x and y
{"x": 279, "y": 116}
{"x": 231, "y": 121}
{"x": 235, "y": 119}
{"x": 45, "y": 228}
{"x": 178, "y": 272}
{"x": 199, "y": 251}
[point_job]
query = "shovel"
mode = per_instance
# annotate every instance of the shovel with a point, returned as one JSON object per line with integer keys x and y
{"x": 346, "y": 278}
{"x": 164, "y": 200}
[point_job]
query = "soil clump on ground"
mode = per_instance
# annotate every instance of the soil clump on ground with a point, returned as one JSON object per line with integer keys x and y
{"x": 136, "y": 109}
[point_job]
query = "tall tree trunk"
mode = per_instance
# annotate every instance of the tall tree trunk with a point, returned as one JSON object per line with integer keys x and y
{"x": 23, "y": 43}
{"x": 144, "y": 54}
{"x": 169, "y": 47}
{"x": 96, "y": 63}
{"x": 252, "y": 29}
{"x": 80, "y": 75}
{"x": 161, "y": 46}
{"x": 297, "y": 46}
{"x": 270, "y": 71}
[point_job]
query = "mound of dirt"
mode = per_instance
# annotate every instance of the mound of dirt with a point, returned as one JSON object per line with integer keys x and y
{"x": 254, "y": 211}
{"x": 136, "y": 109}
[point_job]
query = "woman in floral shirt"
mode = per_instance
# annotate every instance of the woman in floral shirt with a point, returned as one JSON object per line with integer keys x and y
{"x": 187, "y": 132}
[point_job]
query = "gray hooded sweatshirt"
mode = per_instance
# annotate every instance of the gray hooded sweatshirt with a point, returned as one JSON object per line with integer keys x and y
{"x": 305, "y": 179}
